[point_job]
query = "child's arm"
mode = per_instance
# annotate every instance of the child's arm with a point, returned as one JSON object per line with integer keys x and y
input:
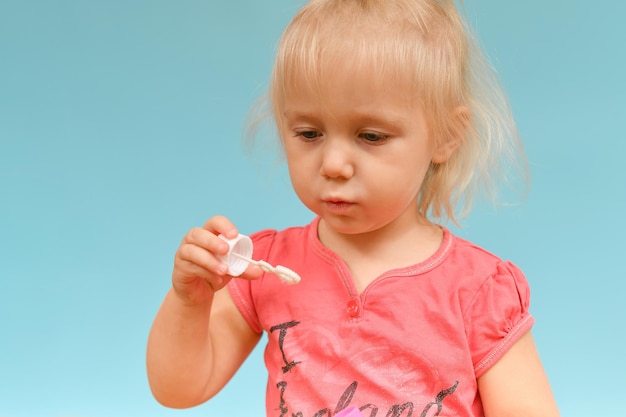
{"x": 198, "y": 339}
{"x": 517, "y": 386}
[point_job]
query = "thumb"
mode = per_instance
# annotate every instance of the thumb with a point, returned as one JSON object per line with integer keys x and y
{"x": 252, "y": 272}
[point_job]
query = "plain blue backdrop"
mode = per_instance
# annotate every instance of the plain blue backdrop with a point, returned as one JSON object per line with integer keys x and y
{"x": 121, "y": 128}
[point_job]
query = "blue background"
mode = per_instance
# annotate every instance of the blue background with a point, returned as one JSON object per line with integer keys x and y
{"x": 120, "y": 129}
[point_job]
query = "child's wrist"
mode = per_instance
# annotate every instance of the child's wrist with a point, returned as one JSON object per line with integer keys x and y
{"x": 191, "y": 302}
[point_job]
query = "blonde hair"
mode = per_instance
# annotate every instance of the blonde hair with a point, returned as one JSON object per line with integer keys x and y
{"x": 427, "y": 44}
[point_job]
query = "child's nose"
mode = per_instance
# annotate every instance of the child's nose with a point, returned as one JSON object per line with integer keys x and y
{"x": 337, "y": 159}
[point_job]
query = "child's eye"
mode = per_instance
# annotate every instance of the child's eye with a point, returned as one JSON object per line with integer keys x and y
{"x": 373, "y": 137}
{"x": 308, "y": 134}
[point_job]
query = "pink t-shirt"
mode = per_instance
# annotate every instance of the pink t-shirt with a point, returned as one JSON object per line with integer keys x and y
{"x": 411, "y": 344}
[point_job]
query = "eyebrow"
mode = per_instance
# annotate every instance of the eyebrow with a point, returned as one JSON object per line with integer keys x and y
{"x": 378, "y": 117}
{"x": 291, "y": 116}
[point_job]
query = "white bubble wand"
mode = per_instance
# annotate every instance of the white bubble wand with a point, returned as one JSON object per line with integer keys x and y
{"x": 240, "y": 249}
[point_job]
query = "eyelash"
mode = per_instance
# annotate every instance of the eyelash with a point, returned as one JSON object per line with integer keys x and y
{"x": 369, "y": 137}
{"x": 304, "y": 135}
{"x": 378, "y": 137}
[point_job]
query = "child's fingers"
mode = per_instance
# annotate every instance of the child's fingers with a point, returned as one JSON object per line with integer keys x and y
{"x": 198, "y": 256}
{"x": 195, "y": 257}
{"x": 197, "y": 273}
{"x": 220, "y": 225}
{"x": 206, "y": 240}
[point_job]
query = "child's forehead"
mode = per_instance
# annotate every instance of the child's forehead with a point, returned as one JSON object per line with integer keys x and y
{"x": 352, "y": 80}
{"x": 349, "y": 95}
{"x": 349, "y": 80}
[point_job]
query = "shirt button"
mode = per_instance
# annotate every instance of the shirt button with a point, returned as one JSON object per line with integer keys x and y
{"x": 353, "y": 308}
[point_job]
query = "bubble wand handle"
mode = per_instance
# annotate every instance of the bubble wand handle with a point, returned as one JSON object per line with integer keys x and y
{"x": 285, "y": 274}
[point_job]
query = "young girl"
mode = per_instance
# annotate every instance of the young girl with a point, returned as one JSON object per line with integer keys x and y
{"x": 389, "y": 120}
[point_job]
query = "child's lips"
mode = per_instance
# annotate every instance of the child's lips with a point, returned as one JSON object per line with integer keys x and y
{"x": 339, "y": 206}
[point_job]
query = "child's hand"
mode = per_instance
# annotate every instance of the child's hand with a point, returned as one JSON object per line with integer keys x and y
{"x": 198, "y": 272}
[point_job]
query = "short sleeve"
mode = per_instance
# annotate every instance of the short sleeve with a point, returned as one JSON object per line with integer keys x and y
{"x": 497, "y": 316}
{"x": 241, "y": 290}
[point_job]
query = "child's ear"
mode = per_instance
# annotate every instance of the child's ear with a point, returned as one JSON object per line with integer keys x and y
{"x": 458, "y": 129}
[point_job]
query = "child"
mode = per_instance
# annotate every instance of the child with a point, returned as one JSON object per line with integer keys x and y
{"x": 388, "y": 120}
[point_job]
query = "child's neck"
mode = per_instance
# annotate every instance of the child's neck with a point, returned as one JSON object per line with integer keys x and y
{"x": 369, "y": 255}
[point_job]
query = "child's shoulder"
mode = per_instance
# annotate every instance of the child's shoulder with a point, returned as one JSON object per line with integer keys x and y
{"x": 467, "y": 256}
{"x": 490, "y": 289}
{"x": 465, "y": 247}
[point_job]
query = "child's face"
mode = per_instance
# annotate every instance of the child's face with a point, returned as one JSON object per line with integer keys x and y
{"x": 358, "y": 152}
